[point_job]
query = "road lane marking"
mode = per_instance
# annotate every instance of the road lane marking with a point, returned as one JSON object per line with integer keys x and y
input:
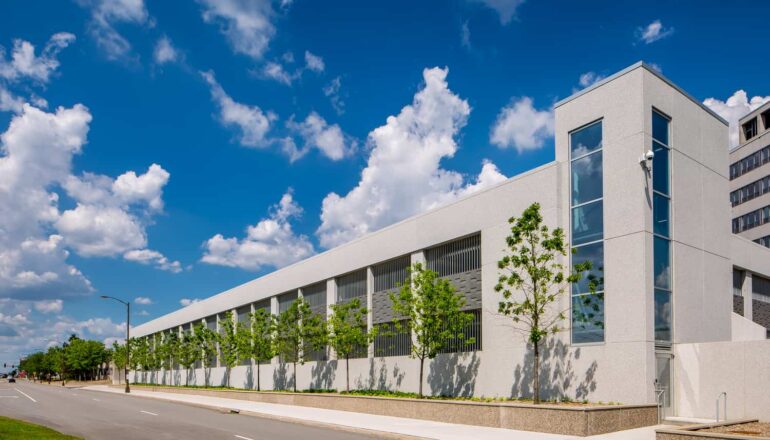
{"x": 10, "y": 397}
{"x": 147, "y": 412}
{"x": 97, "y": 400}
{"x": 26, "y": 395}
{"x": 242, "y": 437}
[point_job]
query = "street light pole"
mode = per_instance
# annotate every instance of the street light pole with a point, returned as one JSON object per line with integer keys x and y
{"x": 128, "y": 336}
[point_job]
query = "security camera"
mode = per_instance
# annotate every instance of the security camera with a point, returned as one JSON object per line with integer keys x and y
{"x": 649, "y": 155}
{"x": 646, "y": 159}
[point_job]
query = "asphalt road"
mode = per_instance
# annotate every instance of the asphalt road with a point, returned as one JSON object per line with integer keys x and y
{"x": 95, "y": 415}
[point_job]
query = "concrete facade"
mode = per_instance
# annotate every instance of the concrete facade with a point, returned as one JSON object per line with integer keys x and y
{"x": 750, "y": 177}
{"x": 624, "y": 365}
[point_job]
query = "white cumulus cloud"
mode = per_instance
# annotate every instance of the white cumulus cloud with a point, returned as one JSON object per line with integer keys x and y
{"x": 142, "y": 300}
{"x": 314, "y": 62}
{"x": 734, "y": 108}
{"x": 53, "y": 306}
{"x": 271, "y": 242}
{"x": 155, "y": 258}
{"x": 653, "y": 32}
{"x": 521, "y": 126}
{"x": 403, "y": 176}
{"x": 333, "y": 92}
{"x": 506, "y": 9}
{"x": 24, "y": 63}
{"x": 184, "y": 302}
{"x": 276, "y": 72}
{"x": 315, "y": 132}
{"x": 105, "y": 14}
{"x": 165, "y": 52}
{"x": 252, "y": 123}
{"x": 589, "y": 79}
{"x": 245, "y": 23}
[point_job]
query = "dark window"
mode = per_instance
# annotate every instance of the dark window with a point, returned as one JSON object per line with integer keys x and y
{"x": 391, "y": 274}
{"x": 285, "y": 300}
{"x": 750, "y": 129}
{"x": 760, "y": 285}
{"x": 587, "y": 230}
{"x": 738, "y": 282}
{"x": 455, "y": 257}
{"x": 243, "y": 314}
{"x": 586, "y": 140}
{"x": 264, "y": 304}
{"x": 315, "y": 296}
{"x": 473, "y": 330}
{"x": 749, "y": 163}
{"x": 352, "y": 285}
{"x": 766, "y": 119}
{"x": 393, "y": 341}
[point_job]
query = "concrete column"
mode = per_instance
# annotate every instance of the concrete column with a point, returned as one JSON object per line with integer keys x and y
{"x": 274, "y": 311}
{"x": 369, "y": 306}
{"x": 747, "y": 291}
{"x": 331, "y": 298}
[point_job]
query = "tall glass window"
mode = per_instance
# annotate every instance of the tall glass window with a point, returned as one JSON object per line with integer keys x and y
{"x": 587, "y": 232}
{"x": 661, "y": 227}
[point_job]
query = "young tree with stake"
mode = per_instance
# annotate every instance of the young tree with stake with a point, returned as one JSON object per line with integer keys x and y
{"x": 188, "y": 353}
{"x": 262, "y": 343}
{"x": 533, "y": 279}
{"x": 348, "y": 332}
{"x": 228, "y": 344}
{"x": 207, "y": 344}
{"x": 432, "y": 311}
{"x": 298, "y": 332}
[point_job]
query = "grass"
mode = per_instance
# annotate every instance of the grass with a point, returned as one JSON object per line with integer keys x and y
{"x": 390, "y": 394}
{"x": 12, "y": 429}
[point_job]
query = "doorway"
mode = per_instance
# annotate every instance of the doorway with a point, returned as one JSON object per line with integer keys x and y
{"x": 663, "y": 381}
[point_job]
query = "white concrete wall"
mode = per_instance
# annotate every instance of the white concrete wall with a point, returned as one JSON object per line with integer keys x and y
{"x": 747, "y": 330}
{"x": 705, "y": 370}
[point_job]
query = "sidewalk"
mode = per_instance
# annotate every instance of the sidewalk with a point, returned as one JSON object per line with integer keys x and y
{"x": 394, "y": 425}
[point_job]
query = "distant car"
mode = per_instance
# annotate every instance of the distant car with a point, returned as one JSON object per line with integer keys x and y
{"x": 12, "y": 380}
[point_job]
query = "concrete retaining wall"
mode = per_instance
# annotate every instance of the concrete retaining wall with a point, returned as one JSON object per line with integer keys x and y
{"x": 740, "y": 368}
{"x": 561, "y": 419}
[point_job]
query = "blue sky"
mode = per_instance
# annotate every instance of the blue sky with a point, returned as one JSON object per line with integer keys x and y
{"x": 182, "y": 124}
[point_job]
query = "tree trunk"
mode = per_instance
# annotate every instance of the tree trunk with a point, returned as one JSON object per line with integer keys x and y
{"x": 258, "y": 364}
{"x": 295, "y": 376}
{"x": 536, "y": 375}
{"x": 422, "y": 363}
{"x": 347, "y": 373}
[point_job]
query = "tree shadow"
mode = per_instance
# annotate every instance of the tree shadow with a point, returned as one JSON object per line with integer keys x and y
{"x": 557, "y": 373}
{"x": 448, "y": 376}
{"x": 207, "y": 376}
{"x": 248, "y": 381}
{"x": 281, "y": 380}
{"x": 378, "y": 376}
{"x": 323, "y": 374}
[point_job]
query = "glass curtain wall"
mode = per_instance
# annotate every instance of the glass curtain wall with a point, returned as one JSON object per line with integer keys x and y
{"x": 661, "y": 227}
{"x": 587, "y": 232}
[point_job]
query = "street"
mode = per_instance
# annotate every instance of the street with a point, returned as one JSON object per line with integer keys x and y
{"x": 95, "y": 415}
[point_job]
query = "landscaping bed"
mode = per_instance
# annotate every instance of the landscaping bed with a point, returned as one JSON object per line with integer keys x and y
{"x": 569, "y": 418}
{"x": 735, "y": 430}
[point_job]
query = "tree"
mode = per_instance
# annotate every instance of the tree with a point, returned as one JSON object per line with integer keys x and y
{"x": 532, "y": 279}
{"x": 188, "y": 353}
{"x": 348, "y": 334}
{"x": 432, "y": 311}
{"x": 228, "y": 344}
{"x": 207, "y": 343}
{"x": 261, "y": 344}
{"x": 298, "y": 332}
